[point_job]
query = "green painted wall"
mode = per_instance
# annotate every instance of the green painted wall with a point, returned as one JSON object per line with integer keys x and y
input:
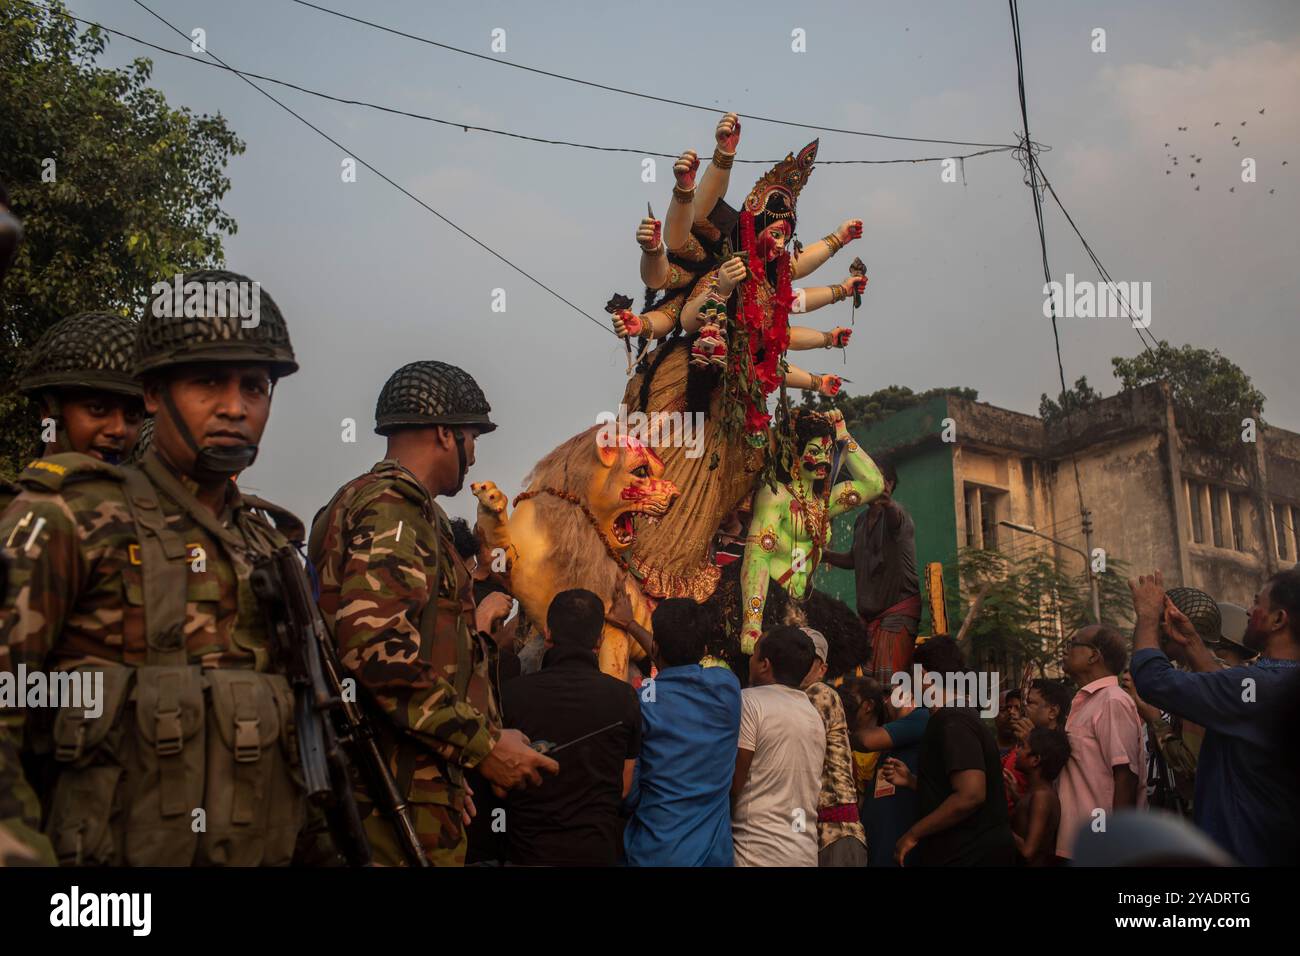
{"x": 925, "y": 489}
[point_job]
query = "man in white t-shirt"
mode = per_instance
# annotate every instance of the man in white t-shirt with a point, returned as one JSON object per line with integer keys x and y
{"x": 779, "y": 758}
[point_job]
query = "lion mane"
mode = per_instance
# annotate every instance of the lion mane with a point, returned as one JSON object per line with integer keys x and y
{"x": 578, "y": 558}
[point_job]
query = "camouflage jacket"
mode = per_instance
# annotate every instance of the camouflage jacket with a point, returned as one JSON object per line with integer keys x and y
{"x": 75, "y": 591}
{"x": 397, "y": 599}
{"x": 838, "y": 788}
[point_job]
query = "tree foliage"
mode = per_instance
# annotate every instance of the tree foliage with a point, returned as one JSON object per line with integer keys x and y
{"x": 1212, "y": 394}
{"x": 116, "y": 189}
{"x": 880, "y": 404}
{"x": 1030, "y": 608}
{"x": 1068, "y": 402}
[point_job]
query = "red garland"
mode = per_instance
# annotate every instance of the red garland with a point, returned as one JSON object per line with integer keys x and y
{"x": 772, "y": 338}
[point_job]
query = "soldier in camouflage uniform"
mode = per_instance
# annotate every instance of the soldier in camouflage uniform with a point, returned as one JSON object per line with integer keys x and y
{"x": 139, "y": 576}
{"x": 79, "y": 374}
{"x": 398, "y": 599}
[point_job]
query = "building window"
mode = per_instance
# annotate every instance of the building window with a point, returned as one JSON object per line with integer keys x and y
{"x": 1194, "y": 506}
{"x": 983, "y": 509}
{"x": 989, "y": 518}
{"x": 972, "y": 517}
{"x": 1216, "y": 517}
{"x": 1279, "y": 526}
{"x": 1238, "y": 529}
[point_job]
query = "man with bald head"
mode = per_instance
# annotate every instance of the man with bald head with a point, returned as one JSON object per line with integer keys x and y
{"x": 1106, "y": 770}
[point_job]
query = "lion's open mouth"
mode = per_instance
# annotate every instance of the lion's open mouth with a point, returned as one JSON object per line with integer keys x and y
{"x": 624, "y": 529}
{"x": 626, "y": 525}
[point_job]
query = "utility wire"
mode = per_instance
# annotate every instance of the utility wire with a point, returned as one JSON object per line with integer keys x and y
{"x": 1042, "y": 232}
{"x": 1101, "y": 270}
{"x": 614, "y": 89}
{"x": 467, "y": 127}
{"x": 320, "y": 132}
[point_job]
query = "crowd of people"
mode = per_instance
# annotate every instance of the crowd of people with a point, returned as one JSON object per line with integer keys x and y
{"x": 695, "y": 770}
{"x": 141, "y": 566}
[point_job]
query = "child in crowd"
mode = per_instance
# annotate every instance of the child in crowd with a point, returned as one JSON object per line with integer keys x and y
{"x": 1037, "y": 814}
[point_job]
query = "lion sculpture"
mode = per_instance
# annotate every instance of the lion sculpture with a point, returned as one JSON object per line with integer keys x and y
{"x": 575, "y": 527}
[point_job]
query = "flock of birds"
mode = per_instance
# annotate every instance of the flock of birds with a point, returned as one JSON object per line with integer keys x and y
{"x": 1196, "y": 160}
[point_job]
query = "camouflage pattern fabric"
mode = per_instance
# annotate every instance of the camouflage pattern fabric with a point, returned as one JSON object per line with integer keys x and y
{"x": 75, "y": 595}
{"x": 383, "y": 552}
{"x": 838, "y": 788}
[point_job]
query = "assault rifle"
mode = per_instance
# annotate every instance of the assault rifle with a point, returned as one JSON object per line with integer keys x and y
{"x": 333, "y": 731}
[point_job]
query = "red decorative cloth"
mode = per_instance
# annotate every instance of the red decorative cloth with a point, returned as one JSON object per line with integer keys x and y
{"x": 891, "y": 649}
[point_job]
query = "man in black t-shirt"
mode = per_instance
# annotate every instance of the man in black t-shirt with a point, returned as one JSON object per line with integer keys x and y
{"x": 573, "y": 819}
{"x": 962, "y": 808}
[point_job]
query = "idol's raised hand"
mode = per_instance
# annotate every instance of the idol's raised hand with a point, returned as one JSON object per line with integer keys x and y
{"x": 649, "y": 234}
{"x": 627, "y": 322}
{"x": 849, "y": 230}
{"x": 728, "y": 133}
{"x": 685, "y": 168}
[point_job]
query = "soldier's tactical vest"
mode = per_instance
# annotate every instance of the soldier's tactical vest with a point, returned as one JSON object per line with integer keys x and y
{"x": 185, "y": 765}
{"x": 8, "y": 492}
{"x": 447, "y": 641}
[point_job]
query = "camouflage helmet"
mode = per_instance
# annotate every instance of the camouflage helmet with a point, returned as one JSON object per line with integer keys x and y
{"x": 431, "y": 393}
{"x": 171, "y": 334}
{"x": 1200, "y": 609}
{"x": 142, "y": 444}
{"x": 89, "y": 350}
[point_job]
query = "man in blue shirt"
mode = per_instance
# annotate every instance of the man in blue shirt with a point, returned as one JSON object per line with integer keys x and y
{"x": 690, "y": 716}
{"x": 1245, "y": 790}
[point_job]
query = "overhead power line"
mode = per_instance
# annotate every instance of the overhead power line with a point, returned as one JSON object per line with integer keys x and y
{"x": 471, "y": 127}
{"x": 1042, "y": 233}
{"x": 624, "y": 92}
{"x": 1101, "y": 269}
{"x": 406, "y": 192}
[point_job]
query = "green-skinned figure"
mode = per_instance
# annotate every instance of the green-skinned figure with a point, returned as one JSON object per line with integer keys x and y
{"x": 791, "y": 525}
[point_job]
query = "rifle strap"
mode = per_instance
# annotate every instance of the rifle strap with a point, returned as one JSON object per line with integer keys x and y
{"x": 164, "y": 566}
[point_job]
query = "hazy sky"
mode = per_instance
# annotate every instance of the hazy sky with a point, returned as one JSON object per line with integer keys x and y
{"x": 368, "y": 280}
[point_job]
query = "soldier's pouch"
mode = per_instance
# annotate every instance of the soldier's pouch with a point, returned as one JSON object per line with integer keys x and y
{"x": 254, "y": 805}
{"x": 166, "y": 782}
{"x": 89, "y": 754}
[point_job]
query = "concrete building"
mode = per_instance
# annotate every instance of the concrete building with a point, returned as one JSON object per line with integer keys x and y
{"x": 1156, "y": 499}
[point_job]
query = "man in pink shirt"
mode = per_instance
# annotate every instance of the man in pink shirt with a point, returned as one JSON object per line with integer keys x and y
{"x": 1107, "y": 770}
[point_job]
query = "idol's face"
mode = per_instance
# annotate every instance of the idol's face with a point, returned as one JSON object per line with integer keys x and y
{"x": 772, "y": 240}
{"x": 815, "y": 460}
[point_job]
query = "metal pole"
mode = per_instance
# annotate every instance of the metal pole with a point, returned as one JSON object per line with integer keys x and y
{"x": 1093, "y": 585}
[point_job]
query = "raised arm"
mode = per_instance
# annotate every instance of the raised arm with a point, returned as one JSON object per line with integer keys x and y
{"x": 681, "y": 211}
{"x": 656, "y": 323}
{"x": 865, "y": 482}
{"x": 803, "y": 338}
{"x": 812, "y": 298}
{"x": 815, "y": 256}
{"x": 713, "y": 184}
{"x": 654, "y": 256}
{"x": 828, "y": 385}
{"x": 755, "y": 570}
